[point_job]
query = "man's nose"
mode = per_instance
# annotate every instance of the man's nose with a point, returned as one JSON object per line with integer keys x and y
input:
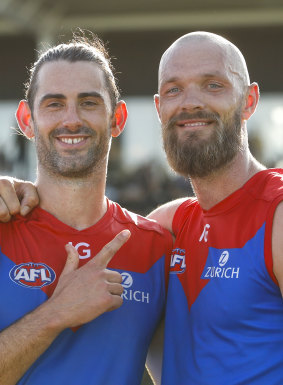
{"x": 72, "y": 118}
{"x": 192, "y": 100}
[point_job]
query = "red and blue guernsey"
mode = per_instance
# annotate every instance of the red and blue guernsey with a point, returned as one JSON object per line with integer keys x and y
{"x": 110, "y": 350}
{"x": 224, "y": 316}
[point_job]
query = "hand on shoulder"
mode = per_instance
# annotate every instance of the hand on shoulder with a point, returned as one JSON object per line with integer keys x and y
{"x": 16, "y": 197}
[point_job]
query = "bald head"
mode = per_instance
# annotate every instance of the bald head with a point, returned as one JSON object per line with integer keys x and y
{"x": 208, "y": 45}
{"x": 205, "y": 99}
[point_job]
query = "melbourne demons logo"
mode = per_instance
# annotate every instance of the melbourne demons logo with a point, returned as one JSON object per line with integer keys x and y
{"x": 178, "y": 261}
{"x": 32, "y": 275}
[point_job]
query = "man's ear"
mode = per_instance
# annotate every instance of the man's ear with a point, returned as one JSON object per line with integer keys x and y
{"x": 252, "y": 98}
{"x": 156, "y": 102}
{"x": 119, "y": 119}
{"x": 23, "y": 116}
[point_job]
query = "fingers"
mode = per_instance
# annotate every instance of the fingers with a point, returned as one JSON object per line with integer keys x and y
{"x": 84, "y": 293}
{"x": 117, "y": 301}
{"x": 27, "y": 194}
{"x": 106, "y": 254}
{"x": 113, "y": 276}
{"x": 16, "y": 197}
{"x": 72, "y": 260}
{"x": 5, "y": 214}
{"x": 115, "y": 288}
{"x": 9, "y": 202}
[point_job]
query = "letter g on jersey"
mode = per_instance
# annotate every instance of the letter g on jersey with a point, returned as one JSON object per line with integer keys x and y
{"x": 83, "y": 249}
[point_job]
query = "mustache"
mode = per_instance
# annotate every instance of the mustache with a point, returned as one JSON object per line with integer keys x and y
{"x": 190, "y": 116}
{"x": 80, "y": 131}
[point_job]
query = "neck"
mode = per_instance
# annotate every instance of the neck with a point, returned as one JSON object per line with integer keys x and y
{"x": 79, "y": 203}
{"x": 214, "y": 188}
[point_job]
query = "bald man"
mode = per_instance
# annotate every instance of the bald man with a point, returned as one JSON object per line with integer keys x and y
{"x": 224, "y": 320}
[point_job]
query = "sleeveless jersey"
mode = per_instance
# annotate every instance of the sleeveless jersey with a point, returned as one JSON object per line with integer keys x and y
{"x": 110, "y": 350}
{"x": 224, "y": 316}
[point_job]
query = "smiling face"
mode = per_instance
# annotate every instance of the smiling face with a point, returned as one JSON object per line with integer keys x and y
{"x": 202, "y": 87}
{"x": 71, "y": 118}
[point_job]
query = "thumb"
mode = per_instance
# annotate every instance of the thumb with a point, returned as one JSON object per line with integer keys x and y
{"x": 72, "y": 261}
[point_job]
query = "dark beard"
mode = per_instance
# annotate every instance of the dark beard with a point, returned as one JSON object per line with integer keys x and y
{"x": 74, "y": 165}
{"x": 195, "y": 157}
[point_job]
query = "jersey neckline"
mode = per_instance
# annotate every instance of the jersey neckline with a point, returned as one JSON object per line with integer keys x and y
{"x": 39, "y": 214}
{"x": 230, "y": 201}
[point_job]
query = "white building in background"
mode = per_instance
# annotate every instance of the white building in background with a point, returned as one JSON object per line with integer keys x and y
{"x": 7, "y": 123}
{"x": 266, "y": 126}
{"x": 14, "y": 163}
{"x": 141, "y": 139}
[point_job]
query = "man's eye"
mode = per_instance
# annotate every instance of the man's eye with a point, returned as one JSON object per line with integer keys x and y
{"x": 89, "y": 103}
{"x": 173, "y": 90}
{"x": 54, "y": 105}
{"x": 214, "y": 85}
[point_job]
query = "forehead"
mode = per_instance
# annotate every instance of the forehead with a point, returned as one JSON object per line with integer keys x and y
{"x": 70, "y": 78}
{"x": 196, "y": 58}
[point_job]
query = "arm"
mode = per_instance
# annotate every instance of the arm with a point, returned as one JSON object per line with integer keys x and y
{"x": 80, "y": 296}
{"x": 16, "y": 197}
{"x": 154, "y": 355}
{"x": 164, "y": 214}
{"x": 277, "y": 245}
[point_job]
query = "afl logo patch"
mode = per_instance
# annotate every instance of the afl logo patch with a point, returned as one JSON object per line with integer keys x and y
{"x": 178, "y": 261}
{"x": 32, "y": 275}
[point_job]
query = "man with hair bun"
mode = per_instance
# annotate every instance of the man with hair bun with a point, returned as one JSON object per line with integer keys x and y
{"x": 89, "y": 318}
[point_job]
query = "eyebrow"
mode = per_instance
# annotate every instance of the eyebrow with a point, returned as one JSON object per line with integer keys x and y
{"x": 93, "y": 94}
{"x": 81, "y": 95}
{"x": 175, "y": 79}
{"x": 51, "y": 96}
{"x": 170, "y": 80}
{"x": 214, "y": 74}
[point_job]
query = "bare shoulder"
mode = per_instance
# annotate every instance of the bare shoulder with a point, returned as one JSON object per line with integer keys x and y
{"x": 164, "y": 214}
{"x": 277, "y": 244}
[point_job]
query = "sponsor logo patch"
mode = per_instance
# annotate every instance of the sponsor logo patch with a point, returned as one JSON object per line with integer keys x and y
{"x": 129, "y": 293}
{"x": 223, "y": 258}
{"x": 222, "y": 270}
{"x": 32, "y": 275}
{"x": 127, "y": 280}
